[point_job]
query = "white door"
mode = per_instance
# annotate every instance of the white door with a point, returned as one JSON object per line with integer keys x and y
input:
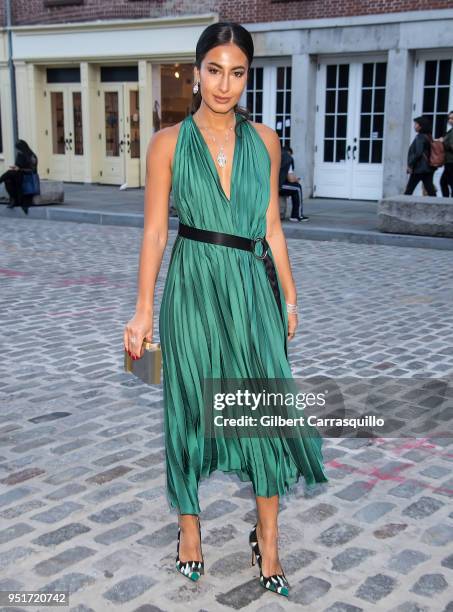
{"x": 433, "y": 96}
{"x": 65, "y": 133}
{"x": 350, "y": 129}
{"x": 120, "y": 136}
{"x": 268, "y": 96}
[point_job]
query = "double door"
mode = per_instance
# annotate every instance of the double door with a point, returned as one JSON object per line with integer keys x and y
{"x": 349, "y": 138}
{"x": 64, "y": 130}
{"x": 268, "y": 96}
{"x": 120, "y": 134}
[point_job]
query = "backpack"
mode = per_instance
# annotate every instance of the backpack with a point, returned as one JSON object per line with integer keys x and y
{"x": 436, "y": 157}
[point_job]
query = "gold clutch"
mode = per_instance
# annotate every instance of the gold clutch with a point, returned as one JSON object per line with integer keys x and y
{"x": 148, "y": 367}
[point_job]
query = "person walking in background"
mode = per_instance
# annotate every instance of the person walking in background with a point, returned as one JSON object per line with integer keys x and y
{"x": 289, "y": 185}
{"x": 25, "y": 162}
{"x": 418, "y": 166}
{"x": 446, "y": 180}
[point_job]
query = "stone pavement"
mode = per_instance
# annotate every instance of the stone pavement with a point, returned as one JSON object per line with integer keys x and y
{"x": 82, "y": 481}
{"x": 330, "y": 219}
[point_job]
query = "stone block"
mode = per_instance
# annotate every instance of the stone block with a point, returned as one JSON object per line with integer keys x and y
{"x": 421, "y": 215}
{"x": 52, "y": 192}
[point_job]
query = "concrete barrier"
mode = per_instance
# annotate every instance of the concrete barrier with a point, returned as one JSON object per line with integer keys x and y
{"x": 52, "y": 192}
{"x": 421, "y": 215}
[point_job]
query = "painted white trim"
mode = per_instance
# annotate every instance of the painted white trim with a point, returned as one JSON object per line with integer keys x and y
{"x": 116, "y": 24}
{"x": 352, "y": 21}
{"x": 108, "y": 44}
{"x": 336, "y": 58}
{"x": 436, "y": 54}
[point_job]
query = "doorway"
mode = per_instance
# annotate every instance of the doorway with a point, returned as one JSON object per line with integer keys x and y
{"x": 268, "y": 96}
{"x": 64, "y": 110}
{"x": 350, "y": 111}
{"x": 120, "y": 134}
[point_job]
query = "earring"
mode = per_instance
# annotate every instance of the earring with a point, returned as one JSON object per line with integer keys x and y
{"x": 195, "y": 88}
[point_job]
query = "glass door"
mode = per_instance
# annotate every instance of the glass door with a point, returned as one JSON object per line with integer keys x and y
{"x": 120, "y": 137}
{"x": 65, "y": 132}
{"x": 433, "y": 97}
{"x": 112, "y": 136}
{"x": 350, "y": 129}
{"x": 132, "y": 111}
{"x": 268, "y": 97}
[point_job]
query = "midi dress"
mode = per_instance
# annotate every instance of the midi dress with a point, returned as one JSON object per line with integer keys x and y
{"x": 219, "y": 318}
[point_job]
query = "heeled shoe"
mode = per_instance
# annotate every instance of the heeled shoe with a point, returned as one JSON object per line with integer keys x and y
{"x": 191, "y": 569}
{"x": 277, "y": 583}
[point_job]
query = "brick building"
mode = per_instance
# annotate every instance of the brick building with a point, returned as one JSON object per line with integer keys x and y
{"x": 340, "y": 80}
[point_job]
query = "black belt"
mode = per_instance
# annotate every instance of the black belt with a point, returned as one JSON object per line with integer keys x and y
{"x": 239, "y": 242}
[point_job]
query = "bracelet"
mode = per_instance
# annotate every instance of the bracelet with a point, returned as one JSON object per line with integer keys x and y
{"x": 291, "y": 308}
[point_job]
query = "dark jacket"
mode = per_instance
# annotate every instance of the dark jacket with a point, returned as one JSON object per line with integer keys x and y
{"x": 418, "y": 155}
{"x": 26, "y": 162}
{"x": 448, "y": 144}
{"x": 286, "y": 163}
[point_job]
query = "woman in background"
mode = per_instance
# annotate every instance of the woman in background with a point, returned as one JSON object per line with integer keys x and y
{"x": 418, "y": 165}
{"x": 25, "y": 162}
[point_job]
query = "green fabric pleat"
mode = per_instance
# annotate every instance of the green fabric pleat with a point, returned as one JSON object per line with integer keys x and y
{"x": 219, "y": 319}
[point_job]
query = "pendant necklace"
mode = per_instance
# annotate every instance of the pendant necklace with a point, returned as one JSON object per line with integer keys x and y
{"x": 221, "y": 156}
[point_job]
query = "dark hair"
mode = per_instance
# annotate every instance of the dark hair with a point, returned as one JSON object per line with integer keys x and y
{"x": 424, "y": 123}
{"x": 222, "y": 33}
{"x": 450, "y": 113}
{"x": 22, "y": 145}
{"x": 25, "y": 157}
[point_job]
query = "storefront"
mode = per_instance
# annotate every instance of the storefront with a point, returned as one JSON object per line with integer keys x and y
{"x": 341, "y": 92}
{"x": 355, "y": 84}
{"x": 90, "y": 95}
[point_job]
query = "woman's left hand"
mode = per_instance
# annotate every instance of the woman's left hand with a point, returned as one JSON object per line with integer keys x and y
{"x": 292, "y": 325}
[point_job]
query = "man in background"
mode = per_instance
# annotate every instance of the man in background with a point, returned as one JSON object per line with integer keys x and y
{"x": 289, "y": 185}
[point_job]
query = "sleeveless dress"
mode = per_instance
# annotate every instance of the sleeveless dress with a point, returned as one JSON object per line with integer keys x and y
{"x": 219, "y": 318}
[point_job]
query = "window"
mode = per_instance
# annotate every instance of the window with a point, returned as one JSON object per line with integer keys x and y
{"x": 111, "y": 74}
{"x": 336, "y": 113}
{"x": 436, "y": 93}
{"x": 283, "y": 104}
{"x": 51, "y": 3}
{"x": 63, "y": 75}
{"x": 255, "y": 94}
{"x": 372, "y": 112}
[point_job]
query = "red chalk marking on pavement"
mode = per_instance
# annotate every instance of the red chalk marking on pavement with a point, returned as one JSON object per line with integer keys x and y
{"x": 375, "y": 475}
{"x": 83, "y": 280}
{"x": 95, "y": 281}
{"x": 7, "y": 272}
{"x": 80, "y": 313}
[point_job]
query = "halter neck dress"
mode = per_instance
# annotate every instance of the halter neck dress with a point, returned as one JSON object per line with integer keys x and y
{"x": 219, "y": 318}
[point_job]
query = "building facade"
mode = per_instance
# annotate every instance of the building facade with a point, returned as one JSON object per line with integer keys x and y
{"x": 339, "y": 81}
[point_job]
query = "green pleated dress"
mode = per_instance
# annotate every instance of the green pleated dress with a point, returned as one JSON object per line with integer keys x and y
{"x": 219, "y": 318}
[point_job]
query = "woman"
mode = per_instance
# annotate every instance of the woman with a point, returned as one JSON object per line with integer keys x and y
{"x": 25, "y": 162}
{"x": 226, "y": 312}
{"x": 418, "y": 165}
{"x": 446, "y": 180}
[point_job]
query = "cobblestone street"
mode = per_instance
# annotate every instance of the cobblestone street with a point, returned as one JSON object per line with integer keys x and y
{"x": 82, "y": 466}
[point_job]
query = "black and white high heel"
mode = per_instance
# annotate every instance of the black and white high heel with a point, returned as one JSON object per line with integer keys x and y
{"x": 277, "y": 583}
{"x": 191, "y": 569}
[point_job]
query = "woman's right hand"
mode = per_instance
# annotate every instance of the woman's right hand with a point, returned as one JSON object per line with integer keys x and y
{"x": 138, "y": 328}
